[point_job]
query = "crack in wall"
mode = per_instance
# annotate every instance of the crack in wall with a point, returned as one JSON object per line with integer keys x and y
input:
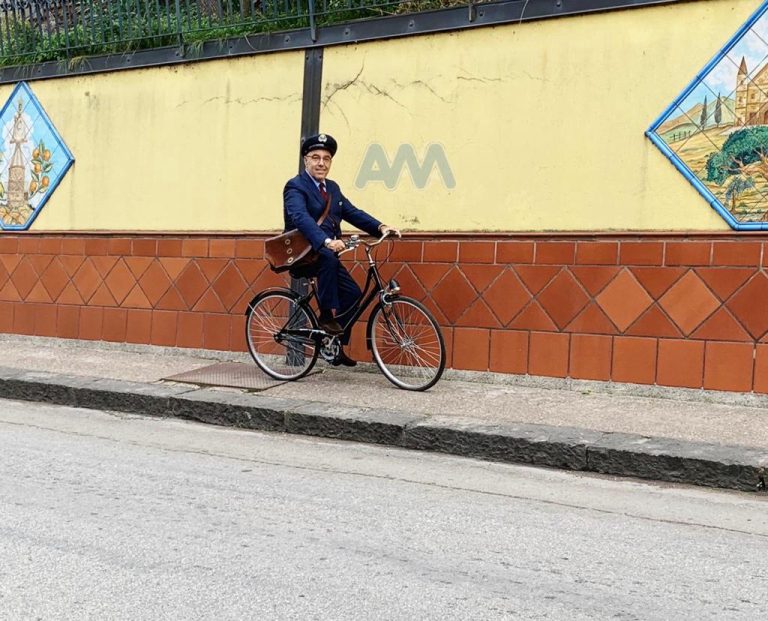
{"x": 341, "y": 112}
{"x": 370, "y": 88}
{"x": 342, "y": 87}
{"x": 476, "y": 79}
{"x": 244, "y": 102}
{"x": 425, "y": 85}
{"x": 484, "y": 80}
{"x": 375, "y": 90}
{"x": 536, "y": 78}
{"x": 333, "y": 88}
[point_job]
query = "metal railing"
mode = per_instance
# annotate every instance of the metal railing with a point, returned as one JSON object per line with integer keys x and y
{"x": 33, "y": 31}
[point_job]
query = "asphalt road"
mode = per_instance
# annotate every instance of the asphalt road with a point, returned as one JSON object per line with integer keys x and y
{"x": 107, "y": 516}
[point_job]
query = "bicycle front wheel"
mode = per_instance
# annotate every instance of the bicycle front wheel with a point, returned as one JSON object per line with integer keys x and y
{"x": 407, "y": 344}
{"x": 277, "y": 330}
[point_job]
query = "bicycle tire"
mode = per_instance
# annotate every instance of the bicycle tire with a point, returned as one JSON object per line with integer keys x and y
{"x": 288, "y": 358}
{"x": 407, "y": 343}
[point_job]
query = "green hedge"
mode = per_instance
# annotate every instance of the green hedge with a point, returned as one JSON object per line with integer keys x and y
{"x": 71, "y": 30}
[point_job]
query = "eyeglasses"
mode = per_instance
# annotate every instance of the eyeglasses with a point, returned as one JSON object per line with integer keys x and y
{"x": 316, "y": 159}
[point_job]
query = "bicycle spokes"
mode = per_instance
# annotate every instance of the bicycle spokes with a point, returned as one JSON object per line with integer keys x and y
{"x": 278, "y": 333}
{"x": 407, "y": 344}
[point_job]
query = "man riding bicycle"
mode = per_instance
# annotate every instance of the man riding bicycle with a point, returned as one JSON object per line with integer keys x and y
{"x": 305, "y": 198}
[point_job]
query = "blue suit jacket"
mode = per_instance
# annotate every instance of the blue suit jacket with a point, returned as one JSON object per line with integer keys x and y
{"x": 303, "y": 205}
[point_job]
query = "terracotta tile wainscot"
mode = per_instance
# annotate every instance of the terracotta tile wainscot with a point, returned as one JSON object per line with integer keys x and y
{"x": 667, "y": 309}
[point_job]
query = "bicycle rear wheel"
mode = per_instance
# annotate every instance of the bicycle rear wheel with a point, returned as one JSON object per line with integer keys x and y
{"x": 407, "y": 344}
{"x": 277, "y": 332}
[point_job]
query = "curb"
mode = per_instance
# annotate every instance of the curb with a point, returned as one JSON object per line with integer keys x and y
{"x": 661, "y": 459}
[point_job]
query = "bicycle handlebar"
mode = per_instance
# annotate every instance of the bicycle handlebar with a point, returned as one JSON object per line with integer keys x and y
{"x": 354, "y": 241}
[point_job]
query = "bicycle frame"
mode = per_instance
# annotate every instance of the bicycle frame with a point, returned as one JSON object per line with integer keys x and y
{"x": 374, "y": 287}
{"x": 402, "y": 334}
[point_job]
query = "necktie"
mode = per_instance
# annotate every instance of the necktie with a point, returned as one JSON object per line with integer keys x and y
{"x": 323, "y": 192}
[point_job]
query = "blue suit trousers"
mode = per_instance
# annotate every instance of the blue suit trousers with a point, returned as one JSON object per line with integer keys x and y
{"x": 336, "y": 289}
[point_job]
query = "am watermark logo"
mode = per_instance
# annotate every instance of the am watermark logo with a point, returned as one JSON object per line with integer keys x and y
{"x": 377, "y": 167}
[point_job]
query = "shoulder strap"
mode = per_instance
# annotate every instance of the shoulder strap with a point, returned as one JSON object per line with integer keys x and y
{"x": 325, "y": 212}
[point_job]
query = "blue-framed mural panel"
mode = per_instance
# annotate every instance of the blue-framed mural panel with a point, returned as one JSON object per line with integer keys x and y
{"x": 33, "y": 159}
{"x": 716, "y": 131}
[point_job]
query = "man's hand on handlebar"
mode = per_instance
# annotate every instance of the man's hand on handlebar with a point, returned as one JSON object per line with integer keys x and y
{"x": 388, "y": 230}
{"x": 354, "y": 241}
{"x": 336, "y": 245}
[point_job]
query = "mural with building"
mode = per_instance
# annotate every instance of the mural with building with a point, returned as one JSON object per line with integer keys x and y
{"x": 719, "y": 129}
{"x": 33, "y": 159}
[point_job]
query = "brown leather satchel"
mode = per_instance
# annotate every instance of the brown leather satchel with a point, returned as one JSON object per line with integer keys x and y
{"x": 291, "y": 249}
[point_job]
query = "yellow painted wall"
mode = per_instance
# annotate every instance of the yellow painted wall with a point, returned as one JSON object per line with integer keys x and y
{"x": 204, "y": 146}
{"x": 542, "y": 123}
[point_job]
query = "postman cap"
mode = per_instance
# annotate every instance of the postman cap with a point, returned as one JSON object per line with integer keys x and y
{"x": 319, "y": 141}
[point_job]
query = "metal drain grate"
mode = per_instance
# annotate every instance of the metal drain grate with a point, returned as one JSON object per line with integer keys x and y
{"x": 229, "y": 374}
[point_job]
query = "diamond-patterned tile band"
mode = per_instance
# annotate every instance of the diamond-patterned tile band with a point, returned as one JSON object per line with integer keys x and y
{"x": 615, "y": 309}
{"x": 198, "y": 285}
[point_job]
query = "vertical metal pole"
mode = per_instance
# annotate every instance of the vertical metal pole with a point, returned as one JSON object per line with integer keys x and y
{"x": 310, "y": 124}
{"x": 313, "y": 85}
{"x": 310, "y": 117}
{"x": 312, "y": 21}
{"x": 91, "y": 22}
{"x": 66, "y": 27}
{"x": 178, "y": 23}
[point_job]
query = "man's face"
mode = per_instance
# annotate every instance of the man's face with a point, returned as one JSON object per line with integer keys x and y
{"x": 318, "y": 163}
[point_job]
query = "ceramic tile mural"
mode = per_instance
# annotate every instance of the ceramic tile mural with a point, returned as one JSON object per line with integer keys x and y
{"x": 33, "y": 159}
{"x": 716, "y": 131}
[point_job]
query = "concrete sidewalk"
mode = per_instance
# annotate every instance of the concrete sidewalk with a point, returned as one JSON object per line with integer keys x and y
{"x": 699, "y": 437}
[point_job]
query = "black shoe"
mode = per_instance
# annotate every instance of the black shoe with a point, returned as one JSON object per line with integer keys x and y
{"x": 331, "y": 326}
{"x": 342, "y": 358}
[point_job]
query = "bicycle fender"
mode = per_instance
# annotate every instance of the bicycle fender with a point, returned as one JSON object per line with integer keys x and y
{"x": 369, "y": 327}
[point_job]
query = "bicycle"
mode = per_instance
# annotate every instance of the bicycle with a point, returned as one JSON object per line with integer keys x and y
{"x": 285, "y": 340}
